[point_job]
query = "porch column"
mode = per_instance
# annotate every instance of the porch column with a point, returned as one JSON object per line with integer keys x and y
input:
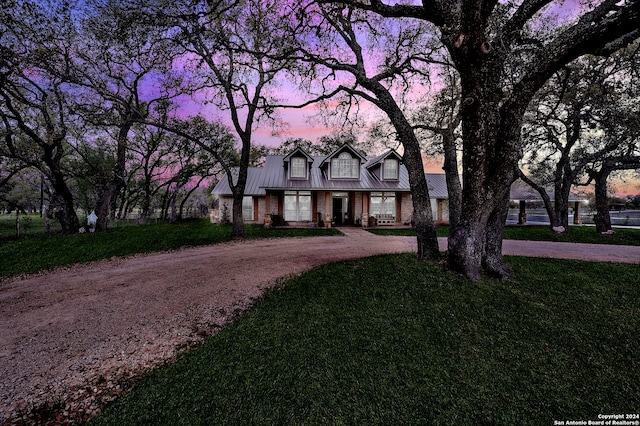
{"x": 328, "y": 214}
{"x": 576, "y": 214}
{"x": 522, "y": 216}
{"x": 365, "y": 209}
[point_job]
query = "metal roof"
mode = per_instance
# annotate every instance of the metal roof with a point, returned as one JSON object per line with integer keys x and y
{"x": 380, "y": 158}
{"x": 252, "y": 187}
{"x": 273, "y": 176}
{"x": 437, "y": 183}
{"x": 522, "y": 191}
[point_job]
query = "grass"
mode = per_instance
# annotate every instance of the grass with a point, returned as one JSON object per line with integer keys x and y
{"x": 349, "y": 344}
{"x": 576, "y": 234}
{"x": 33, "y": 253}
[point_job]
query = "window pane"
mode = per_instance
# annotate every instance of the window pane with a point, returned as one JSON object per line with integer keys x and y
{"x": 376, "y": 205}
{"x": 345, "y": 166}
{"x": 355, "y": 168}
{"x": 247, "y": 208}
{"x": 390, "y": 206}
{"x": 390, "y": 169}
{"x": 298, "y": 167}
{"x": 383, "y": 204}
{"x": 304, "y": 205}
{"x": 290, "y": 208}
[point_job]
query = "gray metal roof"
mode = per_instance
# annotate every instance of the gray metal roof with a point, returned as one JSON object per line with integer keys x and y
{"x": 437, "y": 183}
{"x": 380, "y": 158}
{"x": 273, "y": 176}
{"x": 254, "y": 177}
{"x": 522, "y": 191}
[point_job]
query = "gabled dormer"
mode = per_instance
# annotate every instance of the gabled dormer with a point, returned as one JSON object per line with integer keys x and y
{"x": 297, "y": 164}
{"x": 343, "y": 163}
{"x": 386, "y": 167}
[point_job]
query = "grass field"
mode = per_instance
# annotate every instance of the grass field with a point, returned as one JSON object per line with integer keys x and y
{"x": 349, "y": 344}
{"x": 576, "y": 234}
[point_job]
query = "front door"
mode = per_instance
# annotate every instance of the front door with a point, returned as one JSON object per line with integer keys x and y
{"x": 340, "y": 208}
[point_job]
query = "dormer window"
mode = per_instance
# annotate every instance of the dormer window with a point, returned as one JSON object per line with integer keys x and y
{"x": 390, "y": 169}
{"x": 345, "y": 167}
{"x": 298, "y": 168}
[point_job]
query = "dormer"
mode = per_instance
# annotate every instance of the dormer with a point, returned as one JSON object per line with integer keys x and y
{"x": 386, "y": 167}
{"x": 297, "y": 164}
{"x": 343, "y": 163}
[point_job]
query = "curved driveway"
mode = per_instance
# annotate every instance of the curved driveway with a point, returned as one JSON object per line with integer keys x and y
{"x": 76, "y": 333}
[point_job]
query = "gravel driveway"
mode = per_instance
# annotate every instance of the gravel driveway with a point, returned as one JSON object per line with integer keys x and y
{"x": 72, "y": 338}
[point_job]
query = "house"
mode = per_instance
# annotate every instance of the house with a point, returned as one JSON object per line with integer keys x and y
{"x": 342, "y": 188}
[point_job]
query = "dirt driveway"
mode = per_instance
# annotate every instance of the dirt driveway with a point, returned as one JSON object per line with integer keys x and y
{"x": 71, "y": 339}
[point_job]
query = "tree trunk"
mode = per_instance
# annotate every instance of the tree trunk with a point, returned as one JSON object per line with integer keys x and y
{"x": 173, "y": 217}
{"x": 65, "y": 212}
{"x": 237, "y": 230}
{"x": 489, "y": 162}
{"x": 602, "y": 218}
{"x": 452, "y": 177}
{"x": 493, "y": 261}
{"x": 62, "y": 198}
{"x": 561, "y": 199}
{"x": 103, "y": 207}
{"x": 117, "y": 182}
{"x": 188, "y": 195}
{"x": 426, "y": 236}
{"x": 548, "y": 205}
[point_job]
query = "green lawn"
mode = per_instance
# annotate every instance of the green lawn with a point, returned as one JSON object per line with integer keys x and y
{"x": 350, "y": 344}
{"x": 38, "y": 252}
{"x": 576, "y": 234}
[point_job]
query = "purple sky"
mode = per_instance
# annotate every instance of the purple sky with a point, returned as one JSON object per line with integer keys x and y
{"x": 301, "y": 124}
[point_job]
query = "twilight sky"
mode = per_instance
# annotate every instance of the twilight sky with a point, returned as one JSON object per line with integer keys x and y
{"x": 300, "y": 123}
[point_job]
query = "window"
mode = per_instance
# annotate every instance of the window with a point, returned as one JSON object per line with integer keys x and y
{"x": 390, "y": 169}
{"x": 247, "y": 208}
{"x": 298, "y": 168}
{"x": 297, "y": 205}
{"x": 383, "y": 203}
{"x": 345, "y": 167}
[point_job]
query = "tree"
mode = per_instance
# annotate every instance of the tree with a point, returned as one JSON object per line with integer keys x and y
{"x": 602, "y": 218}
{"x": 556, "y": 134}
{"x": 121, "y": 66}
{"x": 236, "y": 49}
{"x": 32, "y": 100}
{"x": 584, "y": 118}
{"x": 504, "y": 52}
{"x": 340, "y": 54}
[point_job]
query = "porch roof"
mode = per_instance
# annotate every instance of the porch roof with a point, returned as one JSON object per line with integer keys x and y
{"x": 522, "y": 191}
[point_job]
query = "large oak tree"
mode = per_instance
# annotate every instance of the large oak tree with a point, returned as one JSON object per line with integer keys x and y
{"x": 504, "y": 52}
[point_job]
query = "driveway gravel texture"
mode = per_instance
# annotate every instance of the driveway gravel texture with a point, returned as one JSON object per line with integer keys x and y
{"x": 75, "y": 338}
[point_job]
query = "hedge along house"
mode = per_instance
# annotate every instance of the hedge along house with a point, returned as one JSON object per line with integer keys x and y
{"x": 343, "y": 188}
